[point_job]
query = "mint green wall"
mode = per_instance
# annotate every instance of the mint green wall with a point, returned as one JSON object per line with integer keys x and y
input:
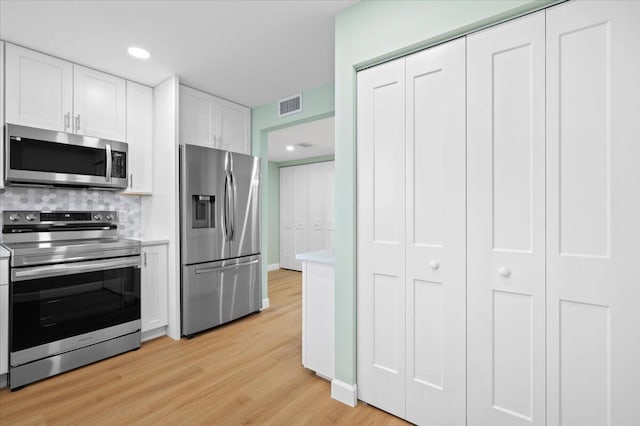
{"x": 316, "y": 103}
{"x": 273, "y": 241}
{"x": 367, "y": 33}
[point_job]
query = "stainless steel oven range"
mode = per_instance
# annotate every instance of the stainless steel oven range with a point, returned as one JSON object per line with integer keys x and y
{"x": 74, "y": 291}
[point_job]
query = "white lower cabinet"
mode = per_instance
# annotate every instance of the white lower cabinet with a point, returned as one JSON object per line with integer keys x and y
{"x": 154, "y": 291}
{"x": 317, "y": 317}
{"x": 528, "y": 316}
{"x": 4, "y": 316}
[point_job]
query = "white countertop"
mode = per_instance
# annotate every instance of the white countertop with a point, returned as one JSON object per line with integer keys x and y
{"x": 321, "y": 256}
{"x": 4, "y": 253}
{"x": 144, "y": 241}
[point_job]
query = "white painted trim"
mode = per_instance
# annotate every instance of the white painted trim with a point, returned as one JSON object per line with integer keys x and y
{"x": 154, "y": 334}
{"x": 344, "y": 392}
{"x": 273, "y": 267}
{"x": 265, "y": 303}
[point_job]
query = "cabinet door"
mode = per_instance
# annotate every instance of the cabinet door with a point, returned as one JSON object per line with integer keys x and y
{"x": 140, "y": 138}
{"x": 99, "y": 104}
{"x": 154, "y": 290}
{"x": 506, "y": 224}
{"x": 39, "y": 90}
{"x": 4, "y": 316}
{"x": 234, "y": 124}
{"x": 381, "y": 236}
{"x": 435, "y": 236}
{"x": 287, "y": 221}
{"x": 1, "y": 113}
{"x": 197, "y": 118}
{"x": 593, "y": 205}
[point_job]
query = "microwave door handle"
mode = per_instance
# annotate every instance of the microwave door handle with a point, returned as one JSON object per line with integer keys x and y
{"x": 109, "y": 165}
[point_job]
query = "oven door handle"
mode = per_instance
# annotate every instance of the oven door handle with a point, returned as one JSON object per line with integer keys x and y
{"x": 35, "y": 272}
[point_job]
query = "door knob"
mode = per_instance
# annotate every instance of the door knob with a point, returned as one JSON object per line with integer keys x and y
{"x": 504, "y": 272}
{"x": 434, "y": 264}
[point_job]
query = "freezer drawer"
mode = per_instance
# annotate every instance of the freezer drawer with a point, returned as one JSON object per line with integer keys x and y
{"x": 218, "y": 292}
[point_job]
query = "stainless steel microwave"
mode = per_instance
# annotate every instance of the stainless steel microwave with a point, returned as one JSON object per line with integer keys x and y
{"x": 45, "y": 157}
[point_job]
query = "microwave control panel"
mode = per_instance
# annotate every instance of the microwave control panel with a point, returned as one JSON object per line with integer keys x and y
{"x": 118, "y": 164}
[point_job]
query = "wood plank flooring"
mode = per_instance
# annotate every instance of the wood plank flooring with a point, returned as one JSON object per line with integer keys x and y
{"x": 247, "y": 372}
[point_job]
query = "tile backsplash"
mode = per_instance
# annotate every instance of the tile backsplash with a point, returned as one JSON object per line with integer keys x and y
{"x": 129, "y": 207}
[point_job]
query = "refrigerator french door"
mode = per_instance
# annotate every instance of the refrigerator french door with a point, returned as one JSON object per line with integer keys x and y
{"x": 219, "y": 236}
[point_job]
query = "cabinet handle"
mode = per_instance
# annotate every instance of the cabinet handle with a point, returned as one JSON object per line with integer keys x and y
{"x": 434, "y": 264}
{"x": 145, "y": 259}
{"x": 67, "y": 118}
{"x": 504, "y": 272}
{"x": 77, "y": 122}
{"x": 131, "y": 181}
{"x": 215, "y": 140}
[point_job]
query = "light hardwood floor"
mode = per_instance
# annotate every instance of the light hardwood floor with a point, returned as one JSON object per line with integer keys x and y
{"x": 247, "y": 372}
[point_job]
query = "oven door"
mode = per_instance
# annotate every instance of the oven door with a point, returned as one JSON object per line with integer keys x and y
{"x": 36, "y": 156}
{"x": 58, "y": 308}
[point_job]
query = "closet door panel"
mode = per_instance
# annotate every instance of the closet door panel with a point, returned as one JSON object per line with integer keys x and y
{"x": 287, "y": 222}
{"x": 506, "y": 224}
{"x": 330, "y": 212}
{"x": 317, "y": 206}
{"x": 593, "y": 182}
{"x": 381, "y": 236}
{"x": 435, "y": 237}
{"x": 300, "y": 212}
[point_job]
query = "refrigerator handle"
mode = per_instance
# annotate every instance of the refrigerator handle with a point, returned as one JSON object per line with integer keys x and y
{"x": 234, "y": 204}
{"x": 226, "y": 207}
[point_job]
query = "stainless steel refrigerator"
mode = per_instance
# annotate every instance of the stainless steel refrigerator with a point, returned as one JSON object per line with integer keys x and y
{"x": 219, "y": 237}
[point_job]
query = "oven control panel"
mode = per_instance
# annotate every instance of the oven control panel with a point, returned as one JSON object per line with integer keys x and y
{"x": 26, "y": 217}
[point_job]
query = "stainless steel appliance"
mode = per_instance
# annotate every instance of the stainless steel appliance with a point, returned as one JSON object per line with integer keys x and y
{"x": 44, "y": 157}
{"x": 74, "y": 291}
{"x": 219, "y": 236}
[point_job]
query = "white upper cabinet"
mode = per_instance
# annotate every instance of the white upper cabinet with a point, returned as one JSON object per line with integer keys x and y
{"x": 1, "y": 112}
{"x": 197, "y": 124}
{"x": 209, "y": 121}
{"x": 100, "y": 102}
{"x": 39, "y": 90}
{"x": 233, "y": 130}
{"x": 49, "y": 93}
{"x": 140, "y": 138}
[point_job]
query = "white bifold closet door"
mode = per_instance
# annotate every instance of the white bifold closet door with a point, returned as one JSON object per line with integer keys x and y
{"x": 321, "y": 212}
{"x": 411, "y": 236}
{"x": 287, "y": 218}
{"x": 506, "y": 224}
{"x": 593, "y": 205}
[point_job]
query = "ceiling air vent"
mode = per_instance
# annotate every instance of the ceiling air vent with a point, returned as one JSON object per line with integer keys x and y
{"x": 290, "y": 105}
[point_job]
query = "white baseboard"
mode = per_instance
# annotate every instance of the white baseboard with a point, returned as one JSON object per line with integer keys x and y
{"x": 265, "y": 303}
{"x": 153, "y": 334}
{"x": 273, "y": 267}
{"x": 344, "y": 392}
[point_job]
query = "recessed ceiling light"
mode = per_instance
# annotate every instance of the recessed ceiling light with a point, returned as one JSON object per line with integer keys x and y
{"x": 138, "y": 52}
{"x": 289, "y": 147}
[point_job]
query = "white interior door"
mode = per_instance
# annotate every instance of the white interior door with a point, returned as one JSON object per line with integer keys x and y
{"x": 506, "y": 224}
{"x": 287, "y": 221}
{"x": 99, "y": 104}
{"x": 381, "y": 236}
{"x": 317, "y": 206}
{"x": 39, "y": 90}
{"x": 435, "y": 237}
{"x": 593, "y": 200}
{"x": 300, "y": 212}
{"x": 330, "y": 212}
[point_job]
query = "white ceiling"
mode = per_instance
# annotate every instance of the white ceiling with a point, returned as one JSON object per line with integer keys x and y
{"x": 250, "y": 52}
{"x": 319, "y": 133}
